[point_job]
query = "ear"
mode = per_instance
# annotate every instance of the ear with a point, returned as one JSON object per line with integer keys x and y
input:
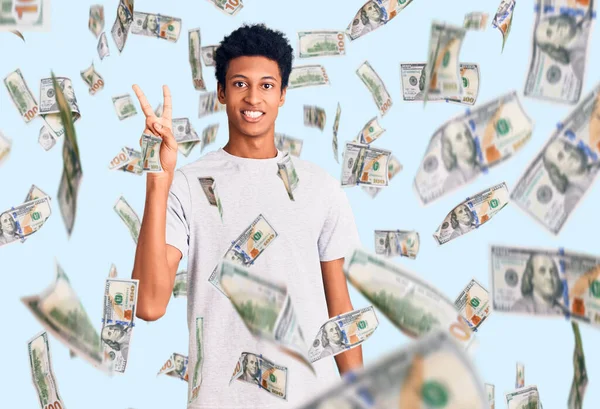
{"x": 282, "y": 97}
{"x": 221, "y": 93}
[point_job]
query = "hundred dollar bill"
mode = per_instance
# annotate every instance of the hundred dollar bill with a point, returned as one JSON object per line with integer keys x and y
{"x": 443, "y": 70}
{"x": 556, "y": 180}
{"x": 431, "y": 373}
{"x": 5, "y": 146}
{"x": 247, "y": 247}
{"x": 473, "y": 304}
{"x": 24, "y": 15}
{"x": 194, "y": 57}
{"x": 42, "y": 372}
{"x": 209, "y": 104}
{"x": 176, "y": 366}
{"x": 120, "y": 28}
{"x": 307, "y": 76}
{"x": 321, "y": 43}
{"x": 503, "y": 18}
{"x": 472, "y": 213}
{"x": 120, "y": 300}
{"x": 287, "y": 173}
{"x": 490, "y": 392}
{"x": 229, "y": 7}
{"x": 180, "y": 286}
{"x": 546, "y": 283}
{"x": 580, "y": 378}
{"x": 151, "y": 153}
{"x": 156, "y": 25}
{"x": 370, "y": 132}
{"x": 208, "y": 55}
{"x": 520, "y": 380}
{"x": 413, "y": 83}
{"x": 96, "y": 20}
{"x": 376, "y": 87}
{"x": 468, "y": 145}
{"x": 194, "y": 388}
{"x": 49, "y": 109}
{"x": 46, "y": 138}
{"x": 336, "y": 127}
{"x": 414, "y": 306}
{"x": 60, "y": 311}
{"x": 129, "y": 217}
{"x": 127, "y": 160}
{"x": 185, "y": 135}
{"x": 21, "y": 95}
{"x": 93, "y": 79}
{"x": 392, "y": 243}
{"x": 343, "y": 332}
{"x": 393, "y": 168}
{"x": 527, "y": 397}
{"x": 314, "y": 116}
{"x": 561, "y": 35}
{"x": 209, "y": 135}
{"x": 22, "y": 221}
{"x": 265, "y": 307}
{"x": 209, "y": 186}
{"x": 124, "y": 106}
{"x": 286, "y": 143}
{"x": 102, "y": 47}
{"x": 476, "y": 20}
{"x": 364, "y": 165}
{"x": 374, "y": 14}
{"x": 258, "y": 370}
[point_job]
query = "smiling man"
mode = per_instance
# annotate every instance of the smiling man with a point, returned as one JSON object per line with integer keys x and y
{"x": 311, "y": 234}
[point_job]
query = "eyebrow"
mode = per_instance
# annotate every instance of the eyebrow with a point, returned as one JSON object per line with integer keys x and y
{"x": 266, "y": 77}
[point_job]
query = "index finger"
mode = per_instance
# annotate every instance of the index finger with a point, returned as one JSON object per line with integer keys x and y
{"x": 167, "y": 104}
{"x": 146, "y": 108}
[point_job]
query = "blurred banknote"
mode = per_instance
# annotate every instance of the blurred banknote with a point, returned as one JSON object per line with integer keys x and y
{"x": 17, "y": 223}
{"x": 5, "y": 146}
{"x": 180, "y": 286}
{"x": 194, "y": 58}
{"x": 473, "y": 304}
{"x": 491, "y": 395}
{"x": 185, "y": 135}
{"x": 524, "y": 398}
{"x": 286, "y": 143}
{"x": 209, "y": 135}
{"x": 370, "y": 132}
{"x": 321, "y": 43}
{"x": 376, "y": 87}
{"x": 96, "y": 20}
{"x": 365, "y": 165}
{"x": 209, "y": 104}
{"x": 156, "y": 25}
{"x": 127, "y": 160}
{"x": 229, "y": 7}
{"x": 336, "y": 127}
{"x": 102, "y": 47}
{"x": 580, "y": 378}
{"x": 393, "y": 168}
{"x": 307, "y": 75}
{"x": 520, "y": 380}
{"x": 476, "y": 20}
{"x": 21, "y": 95}
{"x": 374, "y": 14}
{"x": 287, "y": 173}
{"x": 49, "y": 106}
{"x": 194, "y": 388}
{"x": 46, "y": 138}
{"x": 124, "y": 106}
{"x": 258, "y": 370}
{"x": 151, "y": 153}
{"x": 392, "y": 243}
{"x": 208, "y": 55}
{"x": 468, "y": 145}
{"x": 503, "y": 18}
{"x": 42, "y": 372}
{"x": 176, "y": 366}
{"x": 92, "y": 79}
{"x": 25, "y": 15}
{"x": 314, "y": 116}
{"x": 129, "y": 217}
{"x": 209, "y": 186}
{"x": 558, "y": 177}
{"x": 120, "y": 28}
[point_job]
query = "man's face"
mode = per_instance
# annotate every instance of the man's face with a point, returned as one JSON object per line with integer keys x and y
{"x": 152, "y": 23}
{"x": 333, "y": 334}
{"x": 251, "y": 365}
{"x": 545, "y": 276}
{"x": 557, "y": 31}
{"x": 179, "y": 363}
{"x": 252, "y": 95}
{"x": 463, "y": 215}
{"x": 461, "y": 140}
{"x": 372, "y": 11}
{"x": 566, "y": 157}
{"x": 7, "y": 224}
{"x": 112, "y": 333}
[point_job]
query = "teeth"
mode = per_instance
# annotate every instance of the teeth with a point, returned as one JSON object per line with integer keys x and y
{"x": 253, "y": 114}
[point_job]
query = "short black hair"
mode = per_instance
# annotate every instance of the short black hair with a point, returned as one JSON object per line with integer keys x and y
{"x": 254, "y": 40}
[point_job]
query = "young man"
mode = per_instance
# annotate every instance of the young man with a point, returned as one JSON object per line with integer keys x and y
{"x": 313, "y": 233}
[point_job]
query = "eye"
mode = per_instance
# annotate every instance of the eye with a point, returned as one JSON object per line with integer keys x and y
{"x": 238, "y": 84}
{"x": 268, "y": 86}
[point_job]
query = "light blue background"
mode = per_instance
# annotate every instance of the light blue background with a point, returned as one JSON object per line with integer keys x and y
{"x": 100, "y": 238}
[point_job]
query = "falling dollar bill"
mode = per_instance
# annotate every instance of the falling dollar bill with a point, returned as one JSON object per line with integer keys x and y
{"x": 343, "y": 332}
{"x": 287, "y": 173}
{"x": 258, "y": 370}
{"x": 60, "y": 311}
{"x": 307, "y": 76}
{"x": 542, "y": 282}
{"x": 194, "y": 389}
{"x": 96, "y": 20}
{"x": 503, "y": 18}
{"x": 21, "y": 95}
{"x": 42, "y": 372}
{"x": 120, "y": 28}
{"x": 151, "y": 153}
{"x": 102, "y": 47}
{"x": 556, "y": 180}
{"x": 392, "y": 243}
{"x": 209, "y": 104}
{"x": 561, "y": 34}
{"x": 286, "y": 143}
{"x": 209, "y": 186}
{"x": 374, "y": 14}
{"x": 528, "y": 397}
{"x": 365, "y": 165}
{"x": 490, "y": 392}
{"x": 414, "y": 306}
{"x": 321, "y": 43}
{"x": 92, "y": 79}
{"x": 580, "y": 378}
{"x": 314, "y": 116}
{"x": 336, "y": 127}
{"x": 209, "y": 135}
{"x": 229, "y": 7}
{"x": 185, "y": 135}
{"x": 46, "y": 138}
{"x": 376, "y": 87}
{"x": 49, "y": 108}
{"x": 25, "y": 15}
{"x": 180, "y": 286}
{"x": 473, "y": 304}
{"x": 194, "y": 48}
{"x": 468, "y": 145}
{"x": 393, "y": 168}
{"x": 208, "y": 55}
{"x": 22, "y": 221}
{"x": 156, "y": 25}
{"x": 124, "y": 106}
{"x": 120, "y": 299}
{"x": 443, "y": 70}
{"x": 129, "y": 217}
{"x": 520, "y": 379}
{"x": 127, "y": 160}
{"x": 413, "y": 83}
{"x": 247, "y": 247}
{"x": 476, "y": 20}
{"x": 5, "y": 147}
{"x": 370, "y": 132}
{"x": 176, "y": 367}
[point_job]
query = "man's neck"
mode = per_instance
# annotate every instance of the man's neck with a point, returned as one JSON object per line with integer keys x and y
{"x": 259, "y": 147}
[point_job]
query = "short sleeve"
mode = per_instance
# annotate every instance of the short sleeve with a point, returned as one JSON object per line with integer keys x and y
{"x": 178, "y": 212}
{"x": 339, "y": 234}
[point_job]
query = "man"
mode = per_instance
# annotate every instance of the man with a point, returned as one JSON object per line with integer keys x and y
{"x": 314, "y": 232}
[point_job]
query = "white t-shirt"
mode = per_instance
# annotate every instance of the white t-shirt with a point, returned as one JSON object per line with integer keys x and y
{"x": 317, "y": 226}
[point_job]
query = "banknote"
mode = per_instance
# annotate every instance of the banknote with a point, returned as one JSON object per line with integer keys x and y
{"x": 209, "y": 104}
{"x": 180, "y": 286}
{"x": 176, "y": 366}
{"x": 443, "y": 70}
{"x": 258, "y": 370}
{"x": 156, "y": 25}
{"x": 96, "y": 20}
{"x": 209, "y": 186}
{"x": 129, "y": 217}
{"x": 314, "y": 116}
{"x": 208, "y": 55}
{"x": 556, "y": 180}
{"x": 307, "y": 76}
{"x": 124, "y": 106}
{"x": 490, "y": 392}
{"x": 102, "y": 47}
{"x": 336, "y": 127}
{"x": 321, "y": 43}
{"x": 580, "y": 378}
{"x": 151, "y": 153}
{"x": 503, "y": 18}
{"x": 469, "y": 144}
{"x": 392, "y": 243}
{"x": 343, "y": 332}
{"x": 184, "y": 131}
{"x": 527, "y": 397}
{"x": 194, "y": 388}
{"x": 92, "y": 79}
{"x": 25, "y": 15}
{"x": 286, "y": 143}
{"x": 413, "y": 84}
{"x": 520, "y": 379}
{"x": 561, "y": 35}
{"x": 127, "y": 160}
{"x": 545, "y": 282}
{"x": 431, "y": 373}
{"x": 49, "y": 109}
{"x": 364, "y": 165}
{"x": 21, "y": 95}
{"x": 120, "y": 28}
{"x": 5, "y": 147}
{"x": 473, "y": 304}
{"x": 229, "y": 7}
{"x": 209, "y": 135}
{"x": 393, "y": 168}
{"x": 476, "y": 20}
{"x": 46, "y": 138}
{"x": 414, "y": 306}
{"x": 120, "y": 299}
{"x": 287, "y": 173}
{"x": 376, "y": 87}
{"x": 374, "y": 14}
{"x": 42, "y": 372}
{"x": 17, "y": 223}
{"x": 247, "y": 247}
{"x": 194, "y": 48}
{"x": 60, "y": 311}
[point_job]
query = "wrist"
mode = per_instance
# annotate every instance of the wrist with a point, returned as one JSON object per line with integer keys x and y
{"x": 157, "y": 183}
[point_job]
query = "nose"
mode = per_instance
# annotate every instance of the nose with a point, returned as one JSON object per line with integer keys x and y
{"x": 252, "y": 96}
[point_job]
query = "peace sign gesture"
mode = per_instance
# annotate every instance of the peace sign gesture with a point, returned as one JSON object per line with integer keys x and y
{"x": 161, "y": 127}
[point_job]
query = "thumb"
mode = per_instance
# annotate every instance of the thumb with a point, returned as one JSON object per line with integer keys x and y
{"x": 166, "y": 135}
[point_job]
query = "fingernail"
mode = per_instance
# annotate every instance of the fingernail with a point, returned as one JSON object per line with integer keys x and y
{"x": 157, "y": 126}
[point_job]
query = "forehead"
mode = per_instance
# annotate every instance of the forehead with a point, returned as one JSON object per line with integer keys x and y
{"x": 253, "y": 67}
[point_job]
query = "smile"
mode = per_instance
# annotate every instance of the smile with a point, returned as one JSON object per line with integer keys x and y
{"x": 252, "y": 116}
